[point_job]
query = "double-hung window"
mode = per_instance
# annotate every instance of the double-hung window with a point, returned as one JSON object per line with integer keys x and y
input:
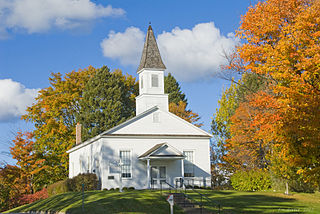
{"x": 189, "y": 164}
{"x": 126, "y": 168}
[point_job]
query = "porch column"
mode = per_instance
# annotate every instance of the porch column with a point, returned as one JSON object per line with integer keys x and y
{"x": 148, "y": 172}
{"x": 182, "y": 170}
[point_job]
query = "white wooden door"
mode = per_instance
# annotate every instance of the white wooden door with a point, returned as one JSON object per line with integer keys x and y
{"x": 158, "y": 176}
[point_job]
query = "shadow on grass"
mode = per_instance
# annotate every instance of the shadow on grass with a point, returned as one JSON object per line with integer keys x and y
{"x": 103, "y": 202}
{"x": 248, "y": 202}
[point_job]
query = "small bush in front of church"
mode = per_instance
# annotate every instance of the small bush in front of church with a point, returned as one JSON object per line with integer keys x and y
{"x": 251, "y": 180}
{"x": 88, "y": 180}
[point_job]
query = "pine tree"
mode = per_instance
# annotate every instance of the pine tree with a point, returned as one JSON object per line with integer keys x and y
{"x": 108, "y": 100}
{"x": 172, "y": 88}
{"x": 178, "y": 101}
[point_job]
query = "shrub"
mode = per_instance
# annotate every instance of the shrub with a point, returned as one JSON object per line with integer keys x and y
{"x": 300, "y": 186}
{"x": 58, "y": 188}
{"x": 252, "y": 180}
{"x": 131, "y": 188}
{"x": 89, "y": 180}
{"x": 295, "y": 183}
{"x": 30, "y": 198}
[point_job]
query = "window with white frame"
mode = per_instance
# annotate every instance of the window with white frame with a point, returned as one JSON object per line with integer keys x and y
{"x": 188, "y": 164}
{"x": 125, "y": 158}
{"x": 154, "y": 80}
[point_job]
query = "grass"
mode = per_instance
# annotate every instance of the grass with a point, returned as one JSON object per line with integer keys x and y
{"x": 144, "y": 201}
{"x": 262, "y": 202}
{"x": 137, "y": 201}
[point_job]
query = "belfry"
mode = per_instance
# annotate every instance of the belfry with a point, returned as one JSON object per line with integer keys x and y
{"x": 151, "y": 77}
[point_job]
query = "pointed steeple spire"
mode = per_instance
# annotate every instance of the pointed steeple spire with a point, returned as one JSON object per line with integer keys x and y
{"x": 151, "y": 57}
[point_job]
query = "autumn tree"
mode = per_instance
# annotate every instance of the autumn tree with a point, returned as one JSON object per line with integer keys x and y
{"x": 281, "y": 43}
{"x": 29, "y": 160}
{"x": 221, "y": 121}
{"x": 53, "y": 115}
{"x": 181, "y": 111}
{"x": 11, "y": 187}
{"x": 238, "y": 92}
{"x": 108, "y": 100}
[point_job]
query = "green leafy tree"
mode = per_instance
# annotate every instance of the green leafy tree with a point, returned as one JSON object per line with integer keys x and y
{"x": 178, "y": 101}
{"x": 108, "y": 100}
{"x": 221, "y": 121}
{"x": 172, "y": 88}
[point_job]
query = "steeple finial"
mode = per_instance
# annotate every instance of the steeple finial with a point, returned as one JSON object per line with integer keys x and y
{"x": 151, "y": 57}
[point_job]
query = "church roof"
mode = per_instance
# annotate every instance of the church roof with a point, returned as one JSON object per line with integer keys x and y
{"x": 174, "y": 127}
{"x": 151, "y": 57}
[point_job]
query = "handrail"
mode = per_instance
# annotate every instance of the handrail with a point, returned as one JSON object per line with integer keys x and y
{"x": 184, "y": 192}
{"x": 169, "y": 184}
{"x": 205, "y": 197}
{"x": 181, "y": 191}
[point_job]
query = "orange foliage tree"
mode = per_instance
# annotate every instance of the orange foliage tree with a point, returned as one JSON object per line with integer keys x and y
{"x": 11, "y": 187}
{"x": 30, "y": 161}
{"x": 282, "y": 44}
{"x": 181, "y": 111}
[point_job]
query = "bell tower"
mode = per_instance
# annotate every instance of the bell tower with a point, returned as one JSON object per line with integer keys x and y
{"x": 151, "y": 77}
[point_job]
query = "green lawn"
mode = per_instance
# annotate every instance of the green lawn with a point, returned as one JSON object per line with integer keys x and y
{"x": 103, "y": 202}
{"x": 143, "y": 201}
{"x": 263, "y": 202}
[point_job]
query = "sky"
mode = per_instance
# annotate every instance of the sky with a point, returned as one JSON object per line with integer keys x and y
{"x": 38, "y": 37}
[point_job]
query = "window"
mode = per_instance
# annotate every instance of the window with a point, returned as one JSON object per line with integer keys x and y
{"x": 156, "y": 117}
{"x": 141, "y": 81}
{"x": 125, "y": 158}
{"x": 154, "y": 80}
{"x": 188, "y": 164}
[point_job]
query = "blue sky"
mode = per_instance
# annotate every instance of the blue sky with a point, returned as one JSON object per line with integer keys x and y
{"x": 38, "y": 37}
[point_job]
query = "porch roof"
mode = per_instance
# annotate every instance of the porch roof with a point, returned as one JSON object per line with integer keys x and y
{"x": 162, "y": 151}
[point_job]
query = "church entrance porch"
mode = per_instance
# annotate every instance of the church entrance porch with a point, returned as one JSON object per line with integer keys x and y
{"x": 164, "y": 165}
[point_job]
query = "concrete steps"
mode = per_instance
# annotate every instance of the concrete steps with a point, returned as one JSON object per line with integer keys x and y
{"x": 187, "y": 205}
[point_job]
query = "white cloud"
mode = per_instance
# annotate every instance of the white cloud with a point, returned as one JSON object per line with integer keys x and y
{"x": 126, "y": 47}
{"x": 196, "y": 53}
{"x": 190, "y": 54}
{"x": 14, "y": 99}
{"x": 42, "y": 15}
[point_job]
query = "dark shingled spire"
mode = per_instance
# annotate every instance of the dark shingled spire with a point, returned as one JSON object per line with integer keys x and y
{"x": 151, "y": 55}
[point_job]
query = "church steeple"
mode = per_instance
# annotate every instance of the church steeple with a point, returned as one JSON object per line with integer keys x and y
{"x": 151, "y": 77}
{"x": 151, "y": 57}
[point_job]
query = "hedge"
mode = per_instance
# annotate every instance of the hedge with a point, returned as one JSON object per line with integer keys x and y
{"x": 252, "y": 180}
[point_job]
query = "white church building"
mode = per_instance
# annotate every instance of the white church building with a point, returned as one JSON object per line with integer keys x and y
{"x": 153, "y": 148}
